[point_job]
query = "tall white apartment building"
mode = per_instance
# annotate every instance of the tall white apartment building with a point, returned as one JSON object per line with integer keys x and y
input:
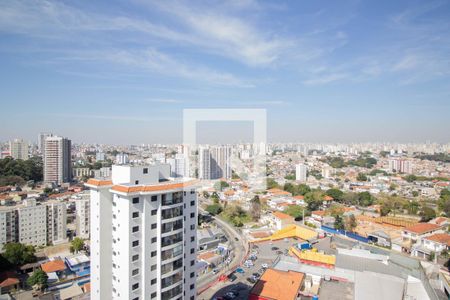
{"x": 32, "y": 223}
{"x": 204, "y": 163}
{"x": 18, "y": 149}
{"x": 56, "y": 222}
{"x": 215, "y": 162}
{"x": 122, "y": 159}
{"x": 8, "y": 229}
{"x": 179, "y": 166}
{"x": 143, "y": 235}
{"x": 57, "y": 160}
{"x": 41, "y": 141}
{"x": 301, "y": 172}
{"x": 82, "y": 210}
{"x": 400, "y": 165}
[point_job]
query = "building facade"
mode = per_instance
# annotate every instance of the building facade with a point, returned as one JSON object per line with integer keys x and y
{"x": 18, "y": 149}
{"x": 8, "y": 226}
{"x": 57, "y": 160}
{"x": 82, "y": 208}
{"x": 301, "y": 172}
{"x": 56, "y": 222}
{"x": 32, "y": 223}
{"x": 215, "y": 162}
{"x": 143, "y": 235}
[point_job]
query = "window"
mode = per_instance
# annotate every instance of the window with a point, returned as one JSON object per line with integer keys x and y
{"x": 135, "y": 243}
{"x": 192, "y": 202}
{"x": 135, "y": 257}
{"x": 153, "y": 268}
{"x": 192, "y": 215}
{"x": 154, "y": 226}
{"x": 192, "y": 274}
{"x": 153, "y": 281}
{"x": 136, "y": 200}
{"x": 192, "y": 191}
{"x": 145, "y": 171}
{"x": 154, "y": 198}
{"x": 135, "y": 286}
{"x": 192, "y": 262}
{"x": 192, "y": 286}
{"x": 154, "y": 239}
{"x": 192, "y": 297}
{"x": 135, "y": 272}
{"x": 192, "y": 238}
{"x": 153, "y": 253}
{"x": 192, "y": 250}
{"x": 135, "y": 214}
{"x": 135, "y": 228}
{"x": 137, "y": 298}
{"x": 154, "y": 212}
{"x": 153, "y": 295}
{"x": 192, "y": 226}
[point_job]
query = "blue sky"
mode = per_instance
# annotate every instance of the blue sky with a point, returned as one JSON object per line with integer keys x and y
{"x": 123, "y": 71}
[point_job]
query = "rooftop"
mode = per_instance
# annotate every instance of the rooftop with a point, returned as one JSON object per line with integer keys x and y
{"x": 280, "y": 285}
{"x": 53, "y": 266}
{"x": 421, "y": 228}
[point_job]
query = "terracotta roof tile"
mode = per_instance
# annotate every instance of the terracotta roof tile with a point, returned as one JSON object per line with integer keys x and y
{"x": 442, "y": 238}
{"x": 98, "y": 182}
{"x": 53, "y": 266}
{"x": 421, "y": 228}
{"x": 280, "y": 285}
{"x": 282, "y": 216}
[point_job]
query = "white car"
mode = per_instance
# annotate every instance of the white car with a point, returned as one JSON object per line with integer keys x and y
{"x": 264, "y": 266}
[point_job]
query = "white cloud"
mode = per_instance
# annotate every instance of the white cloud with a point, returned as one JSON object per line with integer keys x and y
{"x": 326, "y": 78}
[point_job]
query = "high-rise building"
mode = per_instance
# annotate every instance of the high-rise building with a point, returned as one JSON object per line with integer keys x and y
{"x": 8, "y": 229}
{"x": 179, "y": 166}
{"x": 57, "y": 160}
{"x": 143, "y": 234}
{"x": 82, "y": 210}
{"x": 56, "y": 222}
{"x": 41, "y": 141}
{"x": 215, "y": 162}
{"x": 32, "y": 223}
{"x": 301, "y": 172}
{"x": 122, "y": 159}
{"x": 400, "y": 165}
{"x": 18, "y": 149}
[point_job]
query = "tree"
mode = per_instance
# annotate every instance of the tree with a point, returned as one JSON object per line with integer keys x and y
{"x": 236, "y": 215}
{"x": 295, "y": 211}
{"x": 413, "y": 207}
{"x": 220, "y": 185}
{"x": 350, "y": 223}
{"x": 385, "y": 209}
{"x": 38, "y": 278}
{"x": 338, "y": 222}
{"x": 336, "y": 194}
{"x": 214, "y": 209}
{"x": 410, "y": 178}
{"x": 361, "y": 177}
{"x": 271, "y": 183}
{"x": 415, "y": 193}
{"x": 255, "y": 208}
{"x": 427, "y": 214}
{"x": 365, "y": 199}
{"x": 18, "y": 254}
{"x": 205, "y": 194}
{"x": 302, "y": 189}
{"x": 76, "y": 245}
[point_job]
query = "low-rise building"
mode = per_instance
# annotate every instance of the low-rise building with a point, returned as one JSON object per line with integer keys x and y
{"x": 277, "y": 284}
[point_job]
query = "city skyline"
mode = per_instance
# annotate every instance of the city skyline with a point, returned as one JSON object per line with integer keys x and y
{"x": 118, "y": 73}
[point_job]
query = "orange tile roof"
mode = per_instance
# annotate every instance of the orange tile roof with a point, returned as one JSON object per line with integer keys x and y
{"x": 319, "y": 212}
{"x": 442, "y": 238}
{"x": 53, "y": 266}
{"x": 299, "y": 197}
{"x": 440, "y": 220}
{"x": 260, "y": 234}
{"x": 282, "y": 216}
{"x": 152, "y": 188}
{"x": 98, "y": 182}
{"x": 280, "y": 285}
{"x": 328, "y": 198}
{"x": 8, "y": 278}
{"x": 420, "y": 228}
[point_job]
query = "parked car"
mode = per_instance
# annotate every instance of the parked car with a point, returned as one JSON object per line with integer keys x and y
{"x": 240, "y": 270}
{"x": 232, "y": 277}
{"x": 215, "y": 271}
{"x": 274, "y": 248}
{"x": 251, "y": 280}
{"x": 256, "y": 275}
{"x": 264, "y": 266}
